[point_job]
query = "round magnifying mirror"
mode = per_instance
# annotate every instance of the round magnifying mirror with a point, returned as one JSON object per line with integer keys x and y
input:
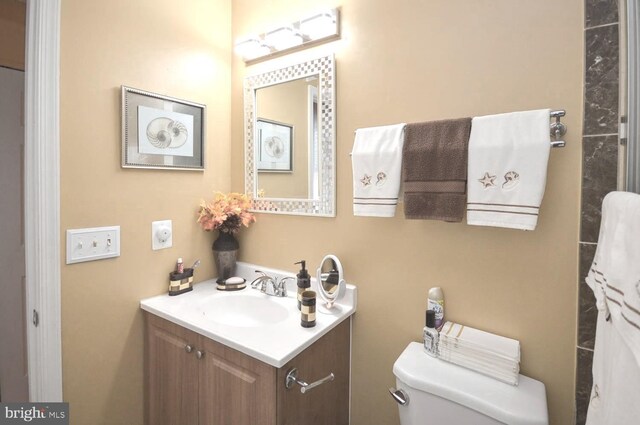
{"x": 331, "y": 283}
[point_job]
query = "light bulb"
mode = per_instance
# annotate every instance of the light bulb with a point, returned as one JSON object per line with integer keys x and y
{"x": 283, "y": 38}
{"x": 319, "y": 26}
{"x": 251, "y": 48}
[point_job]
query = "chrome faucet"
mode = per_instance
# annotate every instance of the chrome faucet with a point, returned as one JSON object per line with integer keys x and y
{"x": 261, "y": 281}
{"x": 264, "y": 281}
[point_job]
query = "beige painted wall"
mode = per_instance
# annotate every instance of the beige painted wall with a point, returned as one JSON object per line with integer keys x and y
{"x": 287, "y": 103}
{"x": 12, "y": 32}
{"x": 397, "y": 61}
{"x": 416, "y": 60}
{"x": 182, "y": 50}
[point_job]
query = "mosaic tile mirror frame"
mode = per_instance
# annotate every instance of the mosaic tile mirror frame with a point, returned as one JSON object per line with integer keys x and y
{"x": 320, "y": 199}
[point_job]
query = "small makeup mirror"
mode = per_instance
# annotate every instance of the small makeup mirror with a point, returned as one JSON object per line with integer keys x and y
{"x": 331, "y": 284}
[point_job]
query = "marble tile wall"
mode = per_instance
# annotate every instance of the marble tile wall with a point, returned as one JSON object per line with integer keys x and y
{"x": 599, "y": 168}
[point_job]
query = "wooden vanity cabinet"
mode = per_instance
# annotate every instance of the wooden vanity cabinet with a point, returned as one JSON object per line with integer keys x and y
{"x": 193, "y": 380}
{"x": 327, "y": 404}
{"x": 171, "y": 377}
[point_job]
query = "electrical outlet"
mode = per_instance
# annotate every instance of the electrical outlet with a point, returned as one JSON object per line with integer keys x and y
{"x": 161, "y": 235}
{"x": 91, "y": 244}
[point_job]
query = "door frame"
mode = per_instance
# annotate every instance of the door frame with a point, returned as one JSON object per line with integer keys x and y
{"x": 633, "y": 96}
{"x": 42, "y": 200}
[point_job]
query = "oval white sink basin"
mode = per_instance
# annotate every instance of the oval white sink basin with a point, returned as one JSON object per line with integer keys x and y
{"x": 244, "y": 311}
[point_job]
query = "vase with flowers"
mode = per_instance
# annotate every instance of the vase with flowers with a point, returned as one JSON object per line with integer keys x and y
{"x": 227, "y": 213}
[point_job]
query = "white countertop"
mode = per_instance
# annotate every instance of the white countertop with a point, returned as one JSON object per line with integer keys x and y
{"x": 272, "y": 343}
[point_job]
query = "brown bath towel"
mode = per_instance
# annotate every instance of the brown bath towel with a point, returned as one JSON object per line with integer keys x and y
{"x": 434, "y": 169}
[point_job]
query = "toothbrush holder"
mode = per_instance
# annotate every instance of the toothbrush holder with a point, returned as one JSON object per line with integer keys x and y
{"x": 179, "y": 283}
{"x": 308, "y": 309}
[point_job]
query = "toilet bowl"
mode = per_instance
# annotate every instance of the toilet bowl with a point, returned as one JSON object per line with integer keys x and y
{"x": 431, "y": 391}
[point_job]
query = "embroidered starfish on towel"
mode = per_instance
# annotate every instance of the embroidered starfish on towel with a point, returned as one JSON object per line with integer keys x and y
{"x": 488, "y": 180}
{"x": 366, "y": 180}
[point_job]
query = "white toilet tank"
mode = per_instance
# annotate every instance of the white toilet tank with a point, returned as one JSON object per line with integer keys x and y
{"x": 439, "y": 392}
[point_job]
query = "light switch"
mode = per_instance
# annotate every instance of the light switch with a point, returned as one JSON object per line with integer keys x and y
{"x": 92, "y": 244}
{"x": 161, "y": 234}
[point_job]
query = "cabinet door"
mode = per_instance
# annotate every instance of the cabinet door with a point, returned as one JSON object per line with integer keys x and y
{"x": 327, "y": 404}
{"x": 171, "y": 374}
{"x": 235, "y": 389}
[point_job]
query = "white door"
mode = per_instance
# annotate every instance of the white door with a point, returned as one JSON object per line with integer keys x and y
{"x": 13, "y": 346}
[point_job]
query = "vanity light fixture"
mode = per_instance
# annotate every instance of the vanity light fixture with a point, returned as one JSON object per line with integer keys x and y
{"x": 283, "y": 38}
{"x": 251, "y": 48}
{"x": 319, "y": 27}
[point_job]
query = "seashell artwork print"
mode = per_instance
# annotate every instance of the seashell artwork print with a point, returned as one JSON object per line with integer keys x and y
{"x": 179, "y": 134}
{"x": 274, "y": 147}
{"x": 165, "y": 133}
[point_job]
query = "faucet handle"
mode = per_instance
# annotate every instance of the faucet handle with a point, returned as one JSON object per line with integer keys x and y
{"x": 282, "y": 287}
{"x": 260, "y": 282}
{"x": 284, "y": 279}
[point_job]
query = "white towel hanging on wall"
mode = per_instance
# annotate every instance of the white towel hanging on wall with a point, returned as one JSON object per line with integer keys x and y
{"x": 507, "y": 169}
{"x": 377, "y": 167}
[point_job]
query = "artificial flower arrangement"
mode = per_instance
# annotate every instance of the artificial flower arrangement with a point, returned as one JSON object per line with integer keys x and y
{"x": 226, "y": 213}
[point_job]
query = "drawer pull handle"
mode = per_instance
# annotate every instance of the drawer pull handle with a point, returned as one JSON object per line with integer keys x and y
{"x": 292, "y": 378}
{"x": 188, "y": 348}
{"x": 199, "y": 354}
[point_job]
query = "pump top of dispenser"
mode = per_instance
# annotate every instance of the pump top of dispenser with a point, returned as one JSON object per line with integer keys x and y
{"x": 431, "y": 319}
{"x": 303, "y": 273}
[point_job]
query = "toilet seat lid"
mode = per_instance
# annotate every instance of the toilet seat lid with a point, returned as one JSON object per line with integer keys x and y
{"x": 525, "y": 404}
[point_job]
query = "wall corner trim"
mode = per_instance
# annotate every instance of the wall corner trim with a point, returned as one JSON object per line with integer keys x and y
{"x": 42, "y": 200}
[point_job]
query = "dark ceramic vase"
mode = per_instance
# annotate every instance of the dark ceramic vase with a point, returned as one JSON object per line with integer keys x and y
{"x": 225, "y": 254}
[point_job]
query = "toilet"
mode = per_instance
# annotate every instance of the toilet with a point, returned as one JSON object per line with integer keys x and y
{"x": 431, "y": 391}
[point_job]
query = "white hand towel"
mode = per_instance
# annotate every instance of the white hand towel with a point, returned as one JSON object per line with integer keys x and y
{"x": 477, "y": 355}
{"x": 615, "y": 273}
{"x": 488, "y": 347}
{"x": 507, "y": 169}
{"x": 377, "y": 165}
{"x": 493, "y": 364}
{"x": 615, "y": 391}
{"x": 507, "y": 377}
{"x": 488, "y": 342}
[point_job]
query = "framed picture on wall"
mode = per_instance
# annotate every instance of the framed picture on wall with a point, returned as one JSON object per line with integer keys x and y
{"x": 275, "y": 146}
{"x": 161, "y": 132}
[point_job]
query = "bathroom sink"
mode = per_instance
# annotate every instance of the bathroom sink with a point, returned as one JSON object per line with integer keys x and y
{"x": 244, "y": 310}
{"x": 264, "y": 327}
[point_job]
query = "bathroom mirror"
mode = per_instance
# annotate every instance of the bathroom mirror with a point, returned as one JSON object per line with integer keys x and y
{"x": 331, "y": 283}
{"x": 290, "y": 139}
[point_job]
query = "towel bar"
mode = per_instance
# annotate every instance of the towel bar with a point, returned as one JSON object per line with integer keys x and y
{"x": 557, "y": 129}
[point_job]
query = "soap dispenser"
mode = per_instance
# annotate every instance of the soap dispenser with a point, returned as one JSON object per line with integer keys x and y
{"x": 430, "y": 334}
{"x": 304, "y": 281}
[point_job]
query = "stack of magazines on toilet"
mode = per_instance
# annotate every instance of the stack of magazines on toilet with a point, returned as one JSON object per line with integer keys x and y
{"x": 483, "y": 352}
